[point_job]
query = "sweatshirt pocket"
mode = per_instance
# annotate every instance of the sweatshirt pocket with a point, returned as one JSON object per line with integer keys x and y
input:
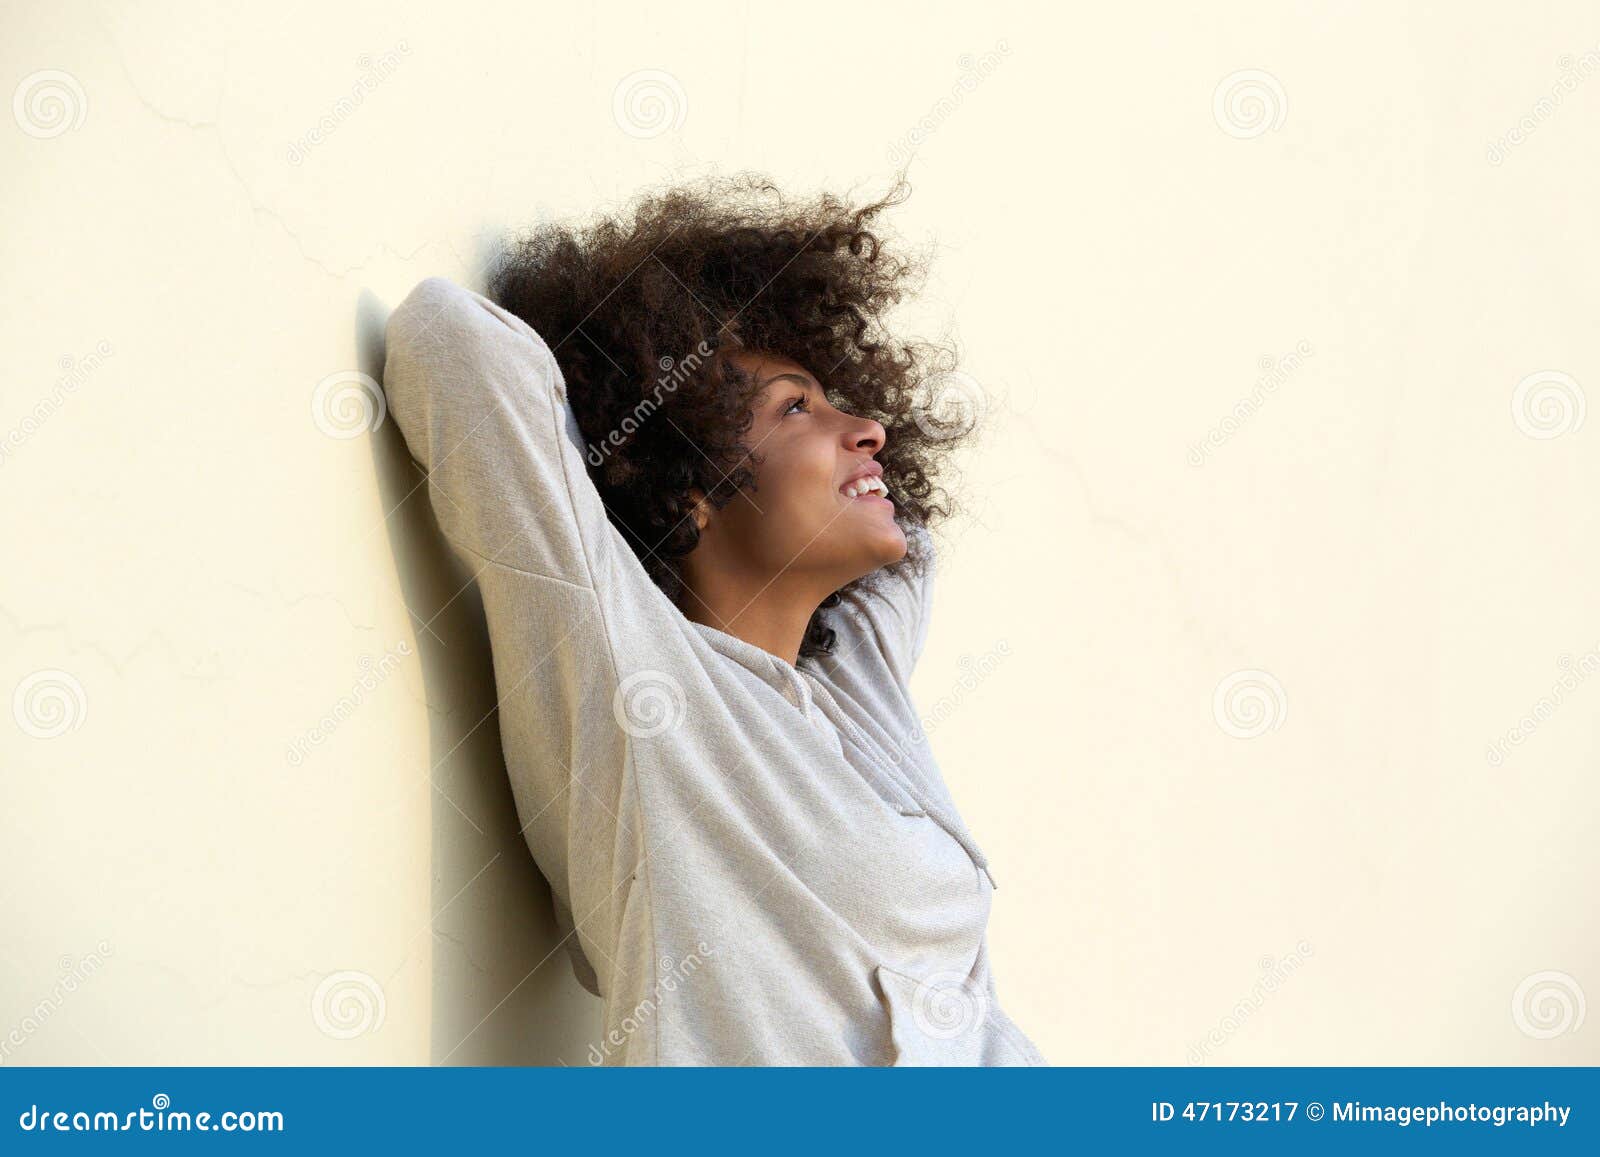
{"x": 945, "y": 1019}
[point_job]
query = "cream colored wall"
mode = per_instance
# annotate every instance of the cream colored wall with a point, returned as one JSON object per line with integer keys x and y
{"x": 1230, "y": 750}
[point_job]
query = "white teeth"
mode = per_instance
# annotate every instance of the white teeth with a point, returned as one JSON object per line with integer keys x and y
{"x": 868, "y": 485}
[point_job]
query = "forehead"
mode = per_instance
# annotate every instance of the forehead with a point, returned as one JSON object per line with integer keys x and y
{"x": 763, "y": 364}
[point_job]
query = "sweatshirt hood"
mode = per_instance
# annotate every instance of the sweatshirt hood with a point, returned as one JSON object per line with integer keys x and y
{"x": 781, "y": 676}
{"x": 810, "y": 696}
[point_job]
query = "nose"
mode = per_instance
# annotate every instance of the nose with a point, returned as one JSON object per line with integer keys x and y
{"x": 865, "y": 434}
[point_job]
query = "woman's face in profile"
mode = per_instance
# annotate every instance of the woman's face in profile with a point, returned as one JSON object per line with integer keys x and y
{"x": 805, "y": 451}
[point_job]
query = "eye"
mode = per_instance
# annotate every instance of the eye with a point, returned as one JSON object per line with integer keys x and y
{"x": 802, "y": 401}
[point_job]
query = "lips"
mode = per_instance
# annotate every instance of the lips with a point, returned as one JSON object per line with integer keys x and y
{"x": 867, "y": 486}
{"x": 867, "y": 482}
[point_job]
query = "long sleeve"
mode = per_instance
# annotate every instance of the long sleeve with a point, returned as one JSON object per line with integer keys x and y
{"x": 881, "y": 627}
{"x": 481, "y": 402}
{"x": 885, "y": 619}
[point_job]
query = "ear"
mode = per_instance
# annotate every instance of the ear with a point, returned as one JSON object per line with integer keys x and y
{"x": 701, "y": 511}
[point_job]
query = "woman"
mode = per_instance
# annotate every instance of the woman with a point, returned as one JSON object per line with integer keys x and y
{"x": 684, "y": 461}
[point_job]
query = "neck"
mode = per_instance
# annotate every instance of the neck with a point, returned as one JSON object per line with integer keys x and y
{"x": 769, "y": 613}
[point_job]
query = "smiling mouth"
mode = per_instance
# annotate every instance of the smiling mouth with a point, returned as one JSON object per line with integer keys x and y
{"x": 869, "y": 487}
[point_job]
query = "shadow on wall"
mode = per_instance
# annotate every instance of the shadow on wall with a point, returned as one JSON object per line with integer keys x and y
{"x": 503, "y": 988}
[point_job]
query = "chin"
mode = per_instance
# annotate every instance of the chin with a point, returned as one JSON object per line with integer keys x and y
{"x": 869, "y": 546}
{"x": 891, "y": 545}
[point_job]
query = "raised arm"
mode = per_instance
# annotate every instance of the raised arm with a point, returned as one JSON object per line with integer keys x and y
{"x": 481, "y": 402}
{"x": 483, "y": 408}
{"x": 884, "y": 621}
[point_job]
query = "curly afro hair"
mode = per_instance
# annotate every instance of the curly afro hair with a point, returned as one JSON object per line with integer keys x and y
{"x": 637, "y": 310}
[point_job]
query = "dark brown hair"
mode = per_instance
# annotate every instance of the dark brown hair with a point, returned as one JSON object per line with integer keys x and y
{"x": 637, "y": 308}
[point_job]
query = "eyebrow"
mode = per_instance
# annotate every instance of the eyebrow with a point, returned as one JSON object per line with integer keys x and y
{"x": 803, "y": 379}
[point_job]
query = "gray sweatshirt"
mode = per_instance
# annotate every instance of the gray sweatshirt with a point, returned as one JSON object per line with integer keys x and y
{"x": 752, "y": 862}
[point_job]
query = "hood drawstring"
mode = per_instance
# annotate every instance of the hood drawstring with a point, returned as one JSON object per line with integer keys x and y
{"x": 869, "y": 748}
{"x": 803, "y": 692}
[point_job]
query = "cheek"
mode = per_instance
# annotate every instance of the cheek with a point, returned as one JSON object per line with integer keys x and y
{"x": 795, "y": 499}
{"x": 802, "y": 482}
